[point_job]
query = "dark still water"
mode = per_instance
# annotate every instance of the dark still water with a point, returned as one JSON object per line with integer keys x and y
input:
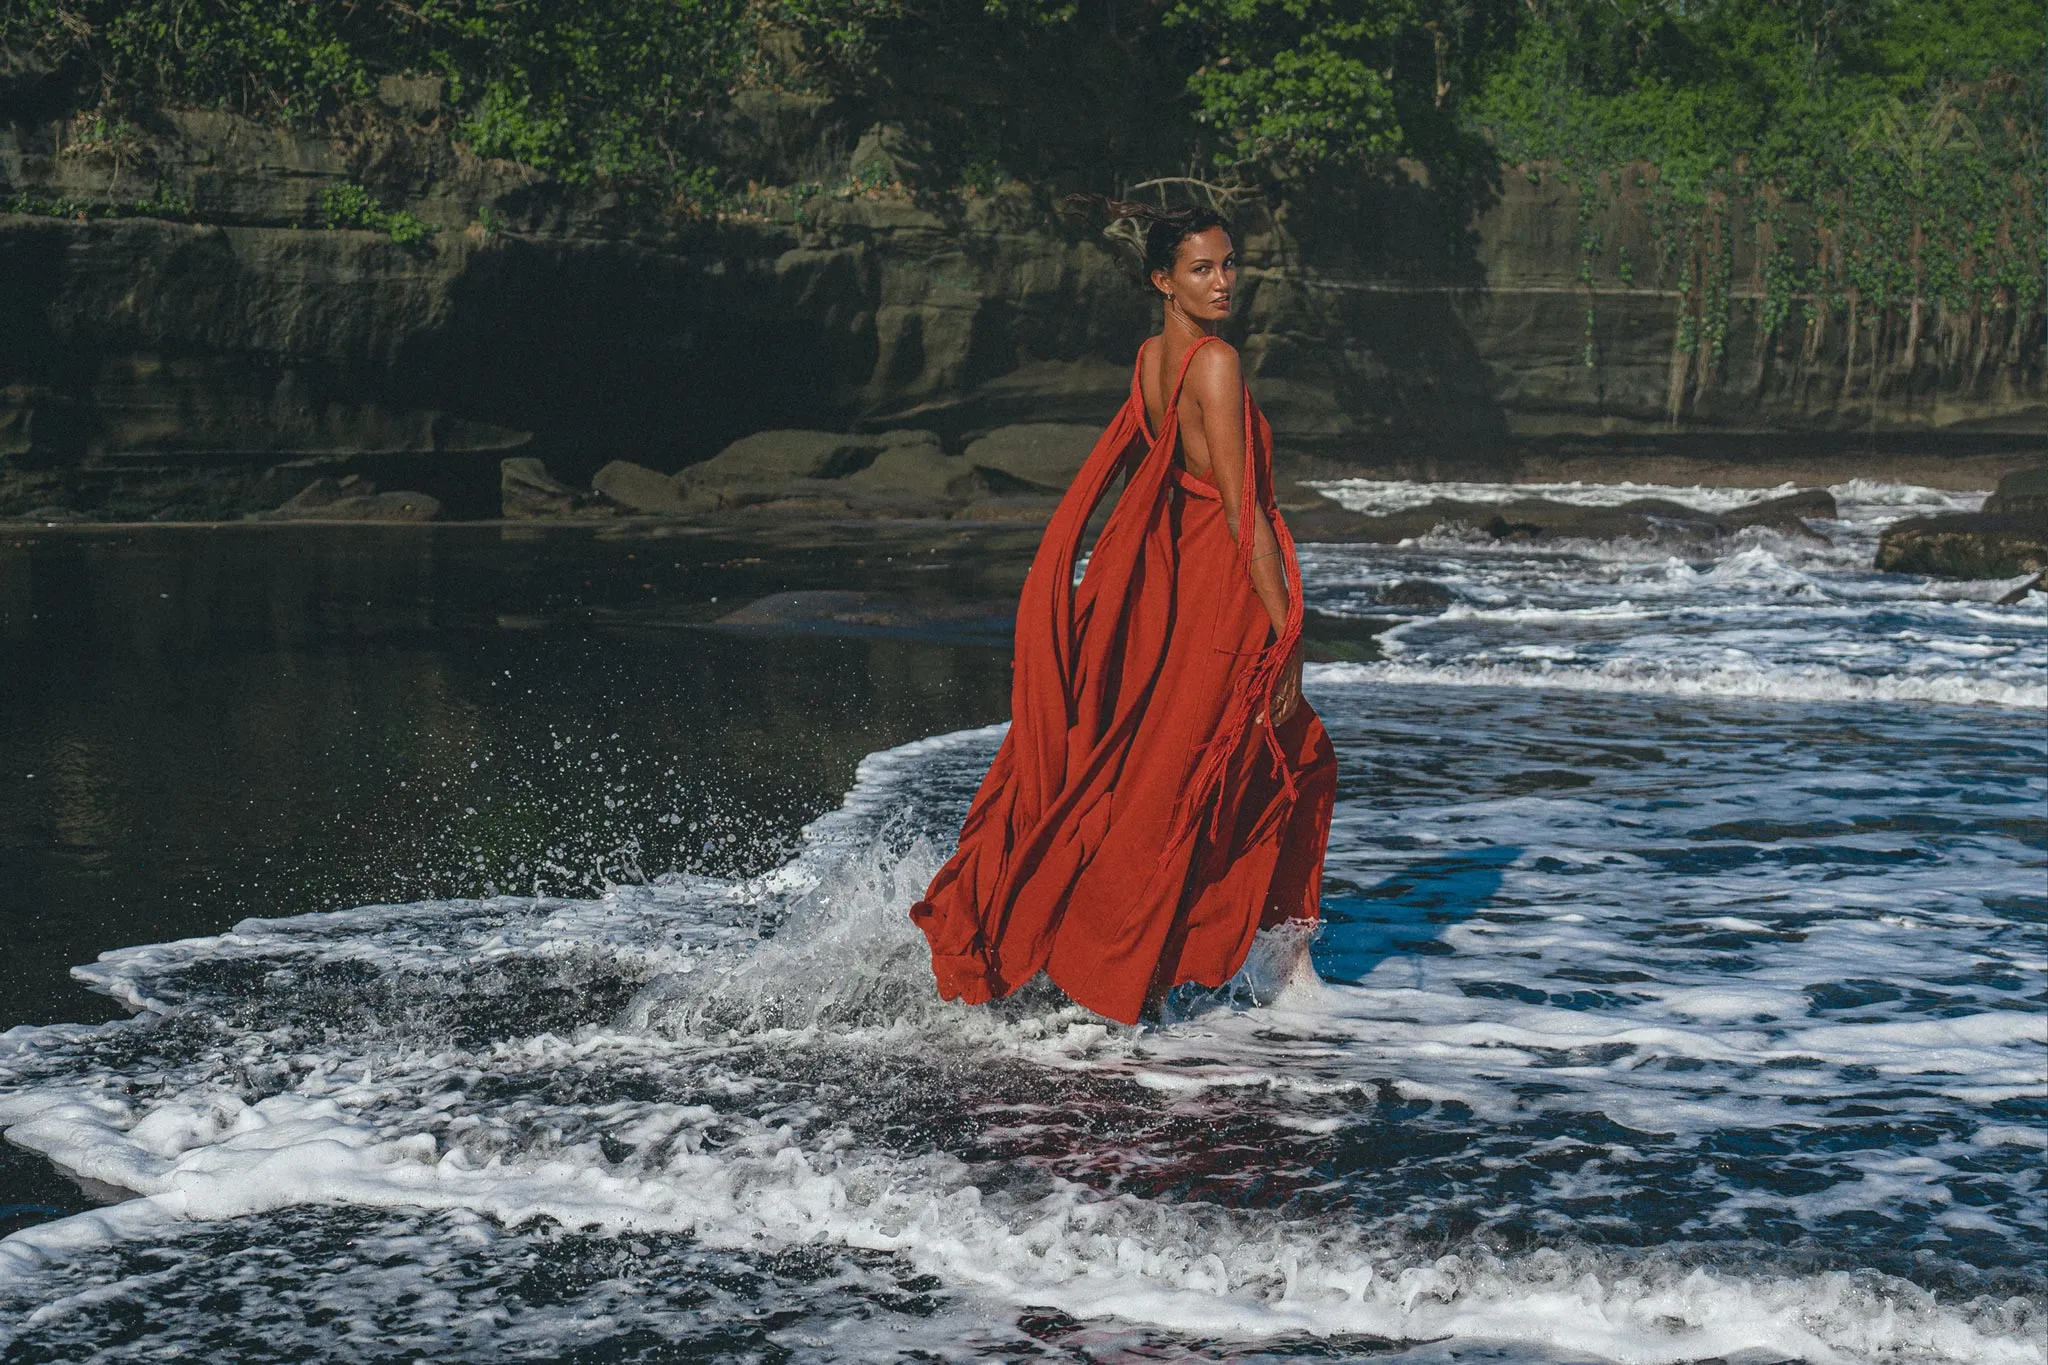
{"x": 200, "y": 725}
{"x": 546, "y": 991}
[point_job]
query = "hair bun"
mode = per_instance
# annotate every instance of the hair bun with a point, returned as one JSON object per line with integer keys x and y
{"x": 1158, "y": 246}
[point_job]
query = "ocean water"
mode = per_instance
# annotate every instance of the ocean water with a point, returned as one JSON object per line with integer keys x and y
{"x": 1680, "y": 997}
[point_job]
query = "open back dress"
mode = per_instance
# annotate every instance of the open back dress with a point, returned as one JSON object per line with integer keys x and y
{"x": 1143, "y": 818}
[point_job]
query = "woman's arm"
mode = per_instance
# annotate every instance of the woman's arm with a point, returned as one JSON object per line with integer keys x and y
{"x": 1216, "y": 383}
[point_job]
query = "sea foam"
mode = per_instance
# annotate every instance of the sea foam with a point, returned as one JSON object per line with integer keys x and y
{"x": 1635, "y": 1031}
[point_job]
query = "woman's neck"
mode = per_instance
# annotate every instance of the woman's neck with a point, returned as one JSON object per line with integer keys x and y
{"x": 1180, "y": 327}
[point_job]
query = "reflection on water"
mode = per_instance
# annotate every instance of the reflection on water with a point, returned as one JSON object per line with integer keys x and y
{"x": 204, "y": 724}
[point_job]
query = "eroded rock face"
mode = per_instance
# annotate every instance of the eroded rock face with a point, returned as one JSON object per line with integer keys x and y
{"x": 135, "y": 351}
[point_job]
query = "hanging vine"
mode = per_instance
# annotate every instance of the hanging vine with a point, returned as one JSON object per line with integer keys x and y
{"x": 1886, "y": 194}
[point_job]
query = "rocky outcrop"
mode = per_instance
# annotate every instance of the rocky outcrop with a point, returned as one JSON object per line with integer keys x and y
{"x": 1326, "y": 638}
{"x": 2038, "y": 583}
{"x": 2008, "y": 538}
{"x": 2024, "y": 492}
{"x": 1788, "y": 514}
{"x": 636, "y": 488}
{"x": 1414, "y": 594}
{"x": 1033, "y": 457}
{"x": 1974, "y": 545}
{"x": 1544, "y": 519}
{"x": 181, "y": 330}
{"x": 527, "y": 491}
{"x": 770, "y": 459}
{"x": 904, "y": 473}
{"x": 353, "y": 499}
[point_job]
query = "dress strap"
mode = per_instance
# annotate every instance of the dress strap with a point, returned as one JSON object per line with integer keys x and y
{"x": 1173, "y": 398}
{"x": 1172, "y": 403}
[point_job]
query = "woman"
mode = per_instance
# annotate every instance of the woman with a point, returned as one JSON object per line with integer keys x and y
{"x": 1163, "y": 792}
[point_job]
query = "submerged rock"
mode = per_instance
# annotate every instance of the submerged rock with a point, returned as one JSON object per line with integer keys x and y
{"x": 51, "y": 514}
{"x": 1342, "y": 639}
{"x": 792, "y": 454}
{"x": 324, "y": 492}
{"x": 1414, "y": 593}
{"x": 400, "y": 505}
{"x": 1786, "y": 514}
{"x": 903, "y": 473}
{"x": 354, "y": 498}
{"x": 1639, "y": 519}
{"x": 846, "y": 612}
{"x": 1522, "y": 519}
{"x": 527, "y": 491}
{"x": 637, "y": 488}
{"x": 1024, "y": 507}
{"x": 1327, "y": 522}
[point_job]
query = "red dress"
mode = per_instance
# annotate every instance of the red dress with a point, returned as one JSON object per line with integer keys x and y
{"x": 1142, "y": 818}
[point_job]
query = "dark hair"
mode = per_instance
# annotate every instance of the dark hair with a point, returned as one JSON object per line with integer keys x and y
{"x": 1166, "y": 230}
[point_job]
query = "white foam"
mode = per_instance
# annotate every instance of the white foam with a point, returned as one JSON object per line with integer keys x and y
{"x": 1767, "y": 929}
{"x": 1814, "y": 683}
{"x": 381, "y": 1131}
{"x": 1197, "y": 1270}
{"x": 1856, "y": 499}
{"x": 1380, "y": 497}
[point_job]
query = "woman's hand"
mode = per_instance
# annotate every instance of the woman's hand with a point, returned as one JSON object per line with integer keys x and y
{"x": 1287, "y": 687}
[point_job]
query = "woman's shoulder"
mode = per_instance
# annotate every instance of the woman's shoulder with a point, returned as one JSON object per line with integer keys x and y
{"x": 1214, "y": 366}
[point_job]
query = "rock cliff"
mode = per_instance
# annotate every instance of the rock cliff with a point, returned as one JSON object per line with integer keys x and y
{"x": 183, "y": 334}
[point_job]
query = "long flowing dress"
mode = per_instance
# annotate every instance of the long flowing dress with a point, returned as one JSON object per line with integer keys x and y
{"x": 1143, "y": 818}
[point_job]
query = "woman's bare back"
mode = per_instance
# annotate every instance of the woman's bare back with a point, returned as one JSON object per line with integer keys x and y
{"x": 1163, "y": 358}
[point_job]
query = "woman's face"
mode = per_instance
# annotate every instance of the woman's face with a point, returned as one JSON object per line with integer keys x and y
{"x": 1203, "y": 275}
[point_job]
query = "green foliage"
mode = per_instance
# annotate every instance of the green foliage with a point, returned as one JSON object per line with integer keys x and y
{"x": 161, "y": 203}
{"x": 588, "y": 90}
{"x": 350, "y": 206}
{"x": 1885, "y": 153}
{"x": 1297, "y": 84}
{"x": 1882, "y": 151}
{"x": 103, "y": 133}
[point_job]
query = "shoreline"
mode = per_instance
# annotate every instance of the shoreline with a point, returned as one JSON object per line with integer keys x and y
{"x": 1975, "y": 472}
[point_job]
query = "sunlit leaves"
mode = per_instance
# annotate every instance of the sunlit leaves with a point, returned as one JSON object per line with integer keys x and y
{"x": 1298, "y": 84}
